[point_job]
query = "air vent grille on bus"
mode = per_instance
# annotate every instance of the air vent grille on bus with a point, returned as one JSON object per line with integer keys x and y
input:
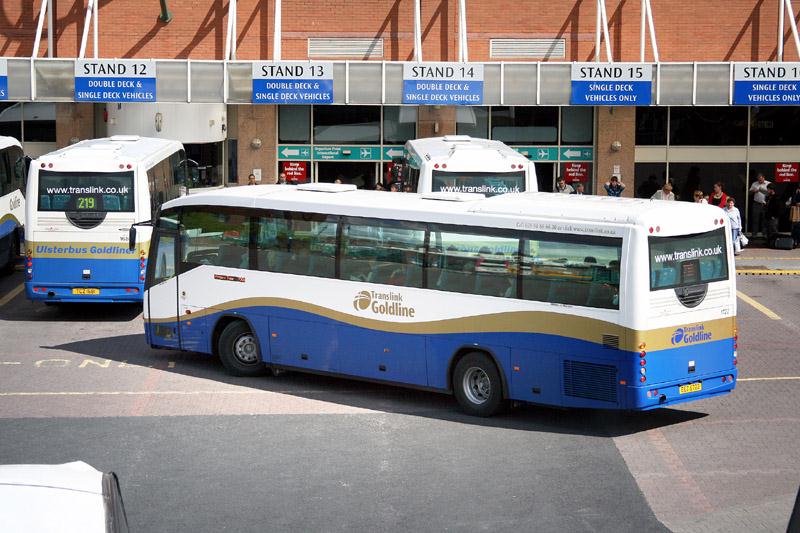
{"x": 590, "y": 380}
{"x": 85, "y": 220}
{"x": 691, "y": 296}
{"x": 611, "y": 341}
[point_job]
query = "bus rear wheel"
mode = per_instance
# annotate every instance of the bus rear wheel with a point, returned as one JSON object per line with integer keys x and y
{"x": 238, "y": 350}
{"x": 477, "y": 385}
{"x": 13, "y": 253}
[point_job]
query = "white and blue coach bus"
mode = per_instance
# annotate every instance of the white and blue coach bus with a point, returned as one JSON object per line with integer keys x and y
{"x": 82, "y": 201}
{"x": 12, "y": 201}
{"x": 552, "y": 299}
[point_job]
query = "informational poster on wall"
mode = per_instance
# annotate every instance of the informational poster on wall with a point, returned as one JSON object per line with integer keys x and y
{"x": 612, "y": 84}
{"x": 296, "y": 82}
{"x": 766, "y": 84}
{"x": 115, "y": 80}
{"x": 3, "y": 79}
{"x": 294, "y": 172}
{"x": 575, "y": 172}
{"x": 787, "y": 172}
{"x": 443, "y": 83}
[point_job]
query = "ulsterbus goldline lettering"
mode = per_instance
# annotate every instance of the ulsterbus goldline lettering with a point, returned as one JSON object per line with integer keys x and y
{"x": 45, "y": 249}
{"x": 383, "y": 303}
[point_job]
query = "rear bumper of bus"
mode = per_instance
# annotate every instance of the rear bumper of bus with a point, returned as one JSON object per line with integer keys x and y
{"x": 655, "y": 395}
{"x": 91, "y": 292}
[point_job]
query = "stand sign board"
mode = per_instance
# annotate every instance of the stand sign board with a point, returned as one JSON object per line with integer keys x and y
{"x": 3, "y": 79}
{"x": 115, "y": 80}
{"x": 612, "y": 84}
{"x": 443, "y": 83}
{"x": 292, "y": 82}
{"x": 766, "y": 83}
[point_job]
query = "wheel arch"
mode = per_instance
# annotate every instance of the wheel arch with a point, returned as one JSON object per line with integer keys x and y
{"x": 462, "y": 351}
{"x": 222, "y": 322}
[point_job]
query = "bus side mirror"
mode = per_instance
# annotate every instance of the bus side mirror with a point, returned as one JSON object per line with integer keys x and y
{"x": 132, "y": 238}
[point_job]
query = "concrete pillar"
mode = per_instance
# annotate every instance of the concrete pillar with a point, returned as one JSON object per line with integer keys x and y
{"x": 616, "y": 140}
{"x": 74, "y": 121}
{"x": 257, "y": 122}
{"x": 431, "y": 118}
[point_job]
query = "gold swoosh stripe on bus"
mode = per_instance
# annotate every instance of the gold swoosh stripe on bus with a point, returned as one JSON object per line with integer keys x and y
{"x": 106, "y": 250}
{"x": 5, "y": 218}
{"x": 544, "y": 322}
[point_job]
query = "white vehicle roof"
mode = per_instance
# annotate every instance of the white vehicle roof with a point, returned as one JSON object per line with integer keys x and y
{"x": 458, "y": 149}
{"x": 5, "y": 142}
{"x": 115, "y": 149}
{"x": 671, "y": 218}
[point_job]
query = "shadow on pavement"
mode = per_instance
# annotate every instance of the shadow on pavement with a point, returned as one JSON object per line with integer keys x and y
{"x": 27, "y": 311}
{"x": 380, "y": 397}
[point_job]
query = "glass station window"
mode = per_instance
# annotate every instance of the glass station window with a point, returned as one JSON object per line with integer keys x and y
{"x": 651, "y": 126}
{"x": 650, "y": 177}
{"x": 399, "y": 124}
{"x": 704, "y": 126}
{"x": 347, "y": 124}
{"x": 294, "y": 124}
{"x": 525, "y": 125}
{"x": 472, "y": 121}
{"x": 689, "y": 177}
{"x": 577, "y": 125}
{"x": 774, "y": 125}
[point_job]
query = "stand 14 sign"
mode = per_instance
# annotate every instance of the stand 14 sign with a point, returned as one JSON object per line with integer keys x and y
{"x": 443, "y": 83}
{"x": 115, "y": 80}
{"x": 612, "y": 84}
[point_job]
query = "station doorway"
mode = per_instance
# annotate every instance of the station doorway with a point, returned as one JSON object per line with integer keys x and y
{"x": 362, "y": 175}
{"x": 545, "y": 176}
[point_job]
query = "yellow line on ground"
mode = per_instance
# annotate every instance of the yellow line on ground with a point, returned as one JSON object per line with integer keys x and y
{"x": 782, "y": 378}
{"x": 170, "y": 392}
{"x": 11, "y": 295}
{"x": 771, "y": 314}
{"x": 769, "y": 258}
{"x": 764, "y": 272}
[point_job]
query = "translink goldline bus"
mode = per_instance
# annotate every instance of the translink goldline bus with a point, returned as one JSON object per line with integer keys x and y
{"x": 82, "y": 201}
{"x": 464, "y": 164}
{"x": 12, "y": 201}
{"x": 578, "y": 301}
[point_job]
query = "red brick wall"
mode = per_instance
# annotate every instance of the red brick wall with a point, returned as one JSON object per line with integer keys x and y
{"x": 687, "y": 30}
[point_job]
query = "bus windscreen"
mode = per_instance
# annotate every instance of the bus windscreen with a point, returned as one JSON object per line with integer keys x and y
{"x": 488, "y": 183}
{"x": 688, "y": 260}
{"x": 86, "y": 191}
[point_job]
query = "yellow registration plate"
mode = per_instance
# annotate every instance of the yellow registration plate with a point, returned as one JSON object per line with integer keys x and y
{"x": 85, "y": 291}
{"x": 691, "y": 387}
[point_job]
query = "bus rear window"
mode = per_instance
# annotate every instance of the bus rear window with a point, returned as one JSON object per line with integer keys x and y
{"x": 488, "y": 183}
{"x": 688, "y": 259}
{"x": 85, "y": 191}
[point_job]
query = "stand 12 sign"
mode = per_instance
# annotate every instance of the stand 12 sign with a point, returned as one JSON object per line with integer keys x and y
{"x": 115, "y": 80}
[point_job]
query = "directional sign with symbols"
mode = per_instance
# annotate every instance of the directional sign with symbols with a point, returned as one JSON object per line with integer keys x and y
{"x": 577, "y": 153}
{"x": 115, "y": 80}
{"x": 292, "y": 82}
{"x": 347, "y": 153}
{"x": 612, "y": 84}
{"x": 390, "y": 152}
{"x": 538, "y": 153}
{"x": 443, "y": 83}
{"x": 3, "y": 79}
{"x": 292, "y": 152}
{"x": 766, "y": 83}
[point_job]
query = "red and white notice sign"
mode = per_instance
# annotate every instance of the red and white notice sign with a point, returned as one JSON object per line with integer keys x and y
{"x": 575, "y": 172}
{"x": 787, "y": 172}
{"x": 295, "y": 171}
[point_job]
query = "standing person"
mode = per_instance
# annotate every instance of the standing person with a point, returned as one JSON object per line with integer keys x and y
{"x": 699, "y": 197}
{"x": 282, "y": 178}
{"x": 773, "y": 210}
{"x": 579, "y": 189}
{"x": 614, "y": 186}
{"x": 736, "y": 223}
{"x": 251, "y": 179}
{"x": 718, "y": 197}
{"x": 562, "y": 187}
{"x": 665, "y": 193}
{"x": 759, "y": 191}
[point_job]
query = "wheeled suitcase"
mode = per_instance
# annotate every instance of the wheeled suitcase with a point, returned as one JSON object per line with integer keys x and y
{"x": 783, "y": 242}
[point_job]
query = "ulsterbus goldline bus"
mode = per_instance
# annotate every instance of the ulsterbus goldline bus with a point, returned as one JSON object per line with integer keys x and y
{"x": 464, "y": 164}
{"x": 570, "y": 301}
{"x": 82, "y": 201}
{"x": 12, "y": 201}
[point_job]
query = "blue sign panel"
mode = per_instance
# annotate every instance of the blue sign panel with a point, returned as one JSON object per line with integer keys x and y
{"x": 292, "y": 82}
{"x": 115, "y": 80}
{"x": 443, "y": 83}
{"x": 766, "y": 84}
{"x": 612, "y": 84}
{"x": 3, "y": 79}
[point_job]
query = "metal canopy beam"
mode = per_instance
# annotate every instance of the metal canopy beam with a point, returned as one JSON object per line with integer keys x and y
{"x": 602, "y": 25}
{"x": 647, "y": 20}
{"x": 92, "y": 8}
{"x": 786, "y": 5}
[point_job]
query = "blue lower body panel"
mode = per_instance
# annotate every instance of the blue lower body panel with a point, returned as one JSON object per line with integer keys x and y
{"x": 84, "y": 280}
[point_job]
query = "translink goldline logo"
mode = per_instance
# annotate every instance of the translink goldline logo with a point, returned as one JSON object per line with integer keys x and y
{"x": 382, "y": 303}
{"x": 690, "y": 335}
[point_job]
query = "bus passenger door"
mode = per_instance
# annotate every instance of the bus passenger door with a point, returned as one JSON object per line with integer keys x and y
{"x": 162, "y": 291}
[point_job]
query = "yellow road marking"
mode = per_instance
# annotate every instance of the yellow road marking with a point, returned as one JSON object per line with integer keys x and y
{"x": 771, "y": 314}
{"x": 782, "y": 378}
{"x": 764, "y": 272}
{"x": 176, "y": 392}
{"x": 770, "y": 258}
{"x": 11, "y": 295}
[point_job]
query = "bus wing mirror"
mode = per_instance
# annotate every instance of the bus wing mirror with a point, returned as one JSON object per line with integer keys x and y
{"x": 132, "y": 238}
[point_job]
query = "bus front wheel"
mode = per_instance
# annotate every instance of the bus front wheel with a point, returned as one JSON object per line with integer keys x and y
{"x": 238, "y": 350}
{"x": 477, "y": 385}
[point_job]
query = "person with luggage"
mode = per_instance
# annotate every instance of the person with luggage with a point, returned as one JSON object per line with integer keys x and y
{"x": 736, "y": 224}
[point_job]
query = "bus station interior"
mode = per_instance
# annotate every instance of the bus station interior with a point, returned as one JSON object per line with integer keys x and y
{"x": 692, "y": 134}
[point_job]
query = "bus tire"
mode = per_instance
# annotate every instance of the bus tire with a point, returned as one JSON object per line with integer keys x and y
{"x": 477, "y": 385}
{"x": 238, "y": 350}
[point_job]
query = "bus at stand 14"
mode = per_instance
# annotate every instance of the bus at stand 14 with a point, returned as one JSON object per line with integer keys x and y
{"x": 12, "y": 201}
{"x": 569, "y": 301}
{"x": 460, "y": 163}
{"x": 83, "y": 200}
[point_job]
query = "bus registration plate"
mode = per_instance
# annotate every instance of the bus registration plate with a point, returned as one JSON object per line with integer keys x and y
{"x": 85, "y": 291}
{"x": 691, "y": 387}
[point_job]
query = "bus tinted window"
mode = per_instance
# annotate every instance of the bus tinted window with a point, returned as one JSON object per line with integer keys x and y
{"x": 383, "y": 251}
{"x": 214, "y": 238}
{"x": 473, "y": 263}
{"x": 86, "y": 191}
{"x": 488, "y": 183}
{"x": 688, "y": 259}
{"x": 574, "y": 273}
{"x": 297, "y": 243}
